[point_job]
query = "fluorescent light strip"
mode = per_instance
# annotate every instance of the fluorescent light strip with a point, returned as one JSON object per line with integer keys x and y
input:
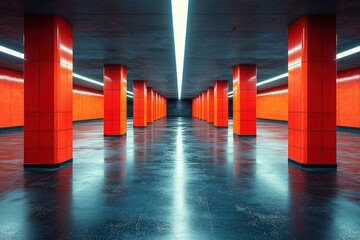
{"x": 284, "y": 75}
{"x": 11, "y": 52}
{"x": 75, "y": 75}
{"x": 273, "y": 93}
{"x": 231, "y": 96}
{"x": 179, "y": 16}
{"x": 11, "y": 79}
{"x": 128, "y": 92}
{"x": 130, "y": 96}
{"x": 230, "y": 93}
{"x": 348, "y": 52}
{"x": 87, "y": 93}
{"x": 338, "y": 56}
{"x": 21, "y": 55}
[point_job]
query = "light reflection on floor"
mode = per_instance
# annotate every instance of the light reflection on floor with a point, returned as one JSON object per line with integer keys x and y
{"x": 180, "y": 178}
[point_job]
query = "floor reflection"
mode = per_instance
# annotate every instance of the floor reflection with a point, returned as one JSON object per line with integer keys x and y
{"x": 115, "y": 167}
{"x": 180, "y": 178}
{"x": 311, "y": 209}
{"x": 49, "y": 200}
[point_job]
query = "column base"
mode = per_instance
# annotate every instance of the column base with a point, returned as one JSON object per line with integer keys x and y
{"x": 244, "y": 135}
{"x": 116, "y": 136}
{"x": 312, "y": 166}
{"x": 47, "y": 167}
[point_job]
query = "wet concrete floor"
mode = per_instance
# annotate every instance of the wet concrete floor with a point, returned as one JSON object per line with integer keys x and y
{"x": 180, "y": 178}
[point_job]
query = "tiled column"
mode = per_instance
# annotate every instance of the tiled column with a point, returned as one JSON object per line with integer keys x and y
{"x": 206, "y": 110}
{"x": 154, "y": 106}
{"x": 140, "y": 105}
{"x": 157, "y": 106}
{"x": 202, "y": 106}
{"x": 221, "y": 103}
{"x": 198, "y": 106}
{"x": 150, "y": 97}
{"x": 244, "y": 100}
{"x": 210, "y": 96}
{"x": 312, "y": 91}
{"x": 48, "y": 85}
{"x": 161, "y": 106}
{"x": 115, "y": 85}
{"x": 195, "y": 107}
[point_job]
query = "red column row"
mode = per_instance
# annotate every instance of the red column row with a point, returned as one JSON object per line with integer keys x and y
{"x": 212, "y": 105}
{"x": 148, "y": 105}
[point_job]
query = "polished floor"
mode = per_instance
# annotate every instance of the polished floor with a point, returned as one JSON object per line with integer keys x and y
{"x": 180, "y": 178}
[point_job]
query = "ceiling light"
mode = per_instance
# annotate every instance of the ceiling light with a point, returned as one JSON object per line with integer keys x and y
{"x": 130, "y": 96}
{"x": 11, "y": 52}
{"x": 179, "y": 18}
{"x": 230, "y": 96}
{"x": 338, "y": 56}
{"x": 284, "y": 75}
{"x": 21, "y": 55}
{"x": 348, "y": 52}
{"x": 128, "y": 92}
{"x": 230, "y": 93}
{"x": 87, "y": 79}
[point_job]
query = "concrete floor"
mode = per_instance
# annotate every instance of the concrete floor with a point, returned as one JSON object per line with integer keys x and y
{"x": 180, "y": 179}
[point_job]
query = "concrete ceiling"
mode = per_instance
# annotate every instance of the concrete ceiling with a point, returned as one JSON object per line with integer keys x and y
{"x": 221, "y": 34}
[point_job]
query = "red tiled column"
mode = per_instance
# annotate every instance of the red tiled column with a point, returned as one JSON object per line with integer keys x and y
{"x": 198, "y": 106}
{"x": 202, "y": 106}
{"x": 195, "y": 107}
{"x": 154, "y": 106}
{"x": 221, "y": 103}
{"x": 312, "y": 91}
{"x": 210, "y": 96}
{"x": 161, "y": 106}
{"x": 157, "y": 106}
{"x": 194, "y": 100}
{"x": 48, "y": 87}
{"x": 206, "y": 110}
{"x": 115, "y": 85}
{"x": 150, "y": 97}
{"x": 140, "y": 105}
{"x": 244, "y": 100}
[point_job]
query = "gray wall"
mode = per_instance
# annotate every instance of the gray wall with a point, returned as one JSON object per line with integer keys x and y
{"x": 179, "y": 108}
{"x": 175, "y": 108}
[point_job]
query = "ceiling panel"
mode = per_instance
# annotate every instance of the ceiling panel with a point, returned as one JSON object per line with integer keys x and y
{"x": 221, "y": 34}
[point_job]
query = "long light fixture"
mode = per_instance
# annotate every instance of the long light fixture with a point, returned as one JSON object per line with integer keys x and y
{"x": 179, "y": 17}
{"x": 11, "y": 52}
{"x": 348, "y": 52}
{"x": 338, "y": 56}
{"x": 284, "y": 75}
{"x": 75, "y": 75}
